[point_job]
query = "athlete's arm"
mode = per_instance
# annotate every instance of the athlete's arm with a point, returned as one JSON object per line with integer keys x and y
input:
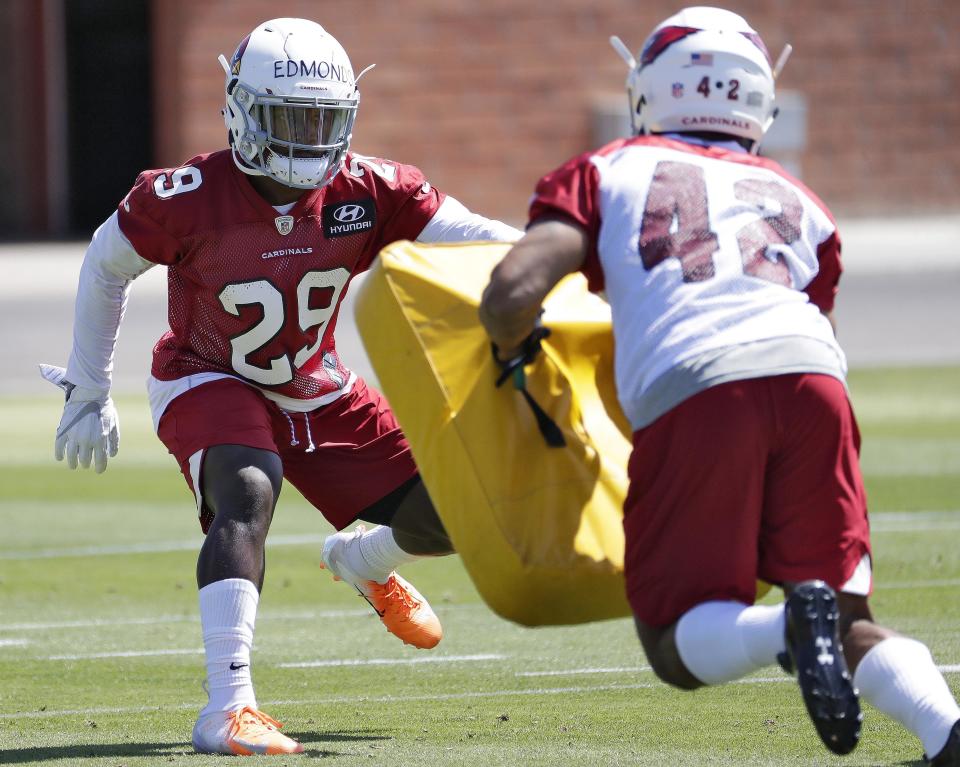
{"x": 454, "y": 223}
{"x": 551, "y": 249}
{"x": 89, "y": 429}
{"x": 109, "y": 266}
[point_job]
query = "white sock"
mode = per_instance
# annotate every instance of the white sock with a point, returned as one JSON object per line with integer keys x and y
{"x": 899, "y": 677}
{"x": 376, "y": 555}
{"x": 228, "y": 611}
{"x": 722, "y": 641}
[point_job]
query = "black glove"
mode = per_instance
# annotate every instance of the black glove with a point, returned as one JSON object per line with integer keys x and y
{"x": 513, "y": 368}
{"x": 529, "y": 350}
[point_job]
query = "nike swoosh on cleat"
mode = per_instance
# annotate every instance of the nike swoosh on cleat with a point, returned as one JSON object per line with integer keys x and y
{"x": 367, "y": 600}
{"x": 238, "y": 666}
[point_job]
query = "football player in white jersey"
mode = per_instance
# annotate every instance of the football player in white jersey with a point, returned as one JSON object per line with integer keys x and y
{"x": 260, "y": 242}
{"x": 721, "y": 272}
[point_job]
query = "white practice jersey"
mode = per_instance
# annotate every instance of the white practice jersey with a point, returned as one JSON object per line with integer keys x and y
{"x": 718, "y": 266}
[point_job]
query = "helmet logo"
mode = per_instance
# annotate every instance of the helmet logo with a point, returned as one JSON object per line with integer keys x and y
{"x": 284, "y": 224}
{"x": 238, "y": 54}
{"x": 661, "y": 40}
{"x": 349, "y": 213}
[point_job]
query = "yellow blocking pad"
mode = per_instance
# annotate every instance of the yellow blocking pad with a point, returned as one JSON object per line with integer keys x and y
{"x": 539, "y": 529}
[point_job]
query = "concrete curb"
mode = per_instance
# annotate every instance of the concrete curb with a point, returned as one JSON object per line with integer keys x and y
{"x": 870, "y": 246}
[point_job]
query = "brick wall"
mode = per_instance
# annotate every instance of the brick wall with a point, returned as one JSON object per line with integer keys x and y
{"x": 487, "y": 95}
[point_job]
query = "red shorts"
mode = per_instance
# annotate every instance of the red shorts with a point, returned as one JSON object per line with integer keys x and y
{"x": 359, "y": 452}
{"x": 748, "y": 479}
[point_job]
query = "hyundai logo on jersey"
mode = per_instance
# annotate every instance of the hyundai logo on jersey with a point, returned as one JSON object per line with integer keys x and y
{"x": 349, "y": 217}
{"x": 348, "y": 213}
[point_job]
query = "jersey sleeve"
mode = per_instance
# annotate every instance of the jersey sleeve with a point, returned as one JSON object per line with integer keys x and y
{"x": 409, "y": 202}
{"x": 141, "y": 220}
{"x": 109, "y": 266}
{"x": 453, "y": 222}
{"x": 571, "y": 192}
{"x": 822, "y": 289}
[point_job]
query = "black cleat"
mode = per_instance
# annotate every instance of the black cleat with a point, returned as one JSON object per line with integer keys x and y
{"x": 815, "y": 655}
{"x": 949, "y": 755}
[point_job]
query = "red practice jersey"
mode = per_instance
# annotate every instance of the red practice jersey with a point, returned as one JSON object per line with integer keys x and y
{"x": 253, "y": 293}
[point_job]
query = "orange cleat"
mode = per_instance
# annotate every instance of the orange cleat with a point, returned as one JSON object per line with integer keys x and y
{"x": 242, "y": 732}
{"x": 402, "y": 609}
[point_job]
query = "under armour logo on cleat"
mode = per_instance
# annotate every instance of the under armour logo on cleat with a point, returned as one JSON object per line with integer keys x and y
{"x": 825, "y": 657}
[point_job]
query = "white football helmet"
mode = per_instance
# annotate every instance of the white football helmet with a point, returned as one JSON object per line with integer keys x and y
{"x": 702, "y": 70}
{"x": 291, "y": 102}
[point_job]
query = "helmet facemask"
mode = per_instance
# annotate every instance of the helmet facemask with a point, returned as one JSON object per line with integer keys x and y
{"x": 299, "y": 142}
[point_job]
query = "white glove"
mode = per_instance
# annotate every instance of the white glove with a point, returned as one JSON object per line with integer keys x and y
{"x": 89, "y": 428}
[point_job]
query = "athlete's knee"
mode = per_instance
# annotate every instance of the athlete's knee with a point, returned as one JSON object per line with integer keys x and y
{"x": 417, "y": 528}
{"x": 424, "y": 537}
{"x": 660, "y": 648}
{"x": 241, "y": 485}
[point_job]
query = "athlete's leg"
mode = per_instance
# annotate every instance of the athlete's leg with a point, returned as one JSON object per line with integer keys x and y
{"x": 221, "y": 435}
{"x": 694, "y": 541}
{"x": 360, "y": 467}
{"x": 818, "y": 507}
{"x": 241, "y": 486}
{"x": 660, "y": 647}
{"x": 408, "y": 528}
{"x": 898, "y": 676}
{"x": 416, "y": 526}
{"x": 714, "y": 642}
{"x": 692, "y": 518}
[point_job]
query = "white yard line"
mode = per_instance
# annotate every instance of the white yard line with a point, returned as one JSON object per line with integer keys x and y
{"x": 158, "y": 547}
{"x": 366, "y": 699}
{"x": 123, "y": 654}
{"x": 914, "y": 521}
{"x": 331, "y": 663}
{"x": 343, "y": 700}
{"x": 165, "y": 619}
{"x": 390, "y": 661}
{"x": 14, "y": 642}
{"x": 266, "y": 615}
{"x": 574, "y": 671}
{"x": 880, "y": 522}
{"x": 934, "y": 584}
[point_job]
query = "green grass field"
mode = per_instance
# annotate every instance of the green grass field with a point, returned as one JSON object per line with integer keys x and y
{"x": 101, "y": 661}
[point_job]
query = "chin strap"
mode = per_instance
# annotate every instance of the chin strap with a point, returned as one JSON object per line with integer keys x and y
{"x": 514, "y": 368}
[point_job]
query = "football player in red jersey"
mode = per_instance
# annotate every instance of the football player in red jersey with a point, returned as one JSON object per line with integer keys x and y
{"x": 260, "y": 242}
{"x": 721, "y": 272}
